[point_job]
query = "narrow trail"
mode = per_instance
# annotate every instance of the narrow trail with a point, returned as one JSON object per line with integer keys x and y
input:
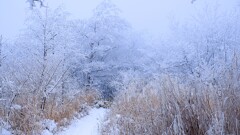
{"x": 88, "y": 125}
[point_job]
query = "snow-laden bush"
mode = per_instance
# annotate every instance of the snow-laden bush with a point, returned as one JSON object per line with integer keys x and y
{"x": 26, "y": 117}
{"x": 165, "y": 106}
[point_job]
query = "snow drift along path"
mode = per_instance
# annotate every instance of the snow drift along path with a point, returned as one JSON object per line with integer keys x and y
{"x": 88, "y": 125}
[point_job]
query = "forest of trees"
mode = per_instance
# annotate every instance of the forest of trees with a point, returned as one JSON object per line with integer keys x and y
{"x": 187, "y": 83}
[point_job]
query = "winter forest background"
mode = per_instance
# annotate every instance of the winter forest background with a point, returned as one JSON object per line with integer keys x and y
{"x": 185, "y": 80}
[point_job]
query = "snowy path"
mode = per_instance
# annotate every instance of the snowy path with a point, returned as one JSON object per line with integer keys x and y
{"x": 88, "y": 125}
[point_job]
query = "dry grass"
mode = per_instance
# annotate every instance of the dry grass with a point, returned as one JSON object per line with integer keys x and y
{"x": 25, "y": 120}
{"x": 70, "y": 107}
{"x": 28, "y": 119}
{"x": 173, "y": 108}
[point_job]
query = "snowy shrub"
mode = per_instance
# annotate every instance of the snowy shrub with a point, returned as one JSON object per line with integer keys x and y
{"x": 59, "y": 112}
{"x": 166, "y": 106}
{"x": 25, "y": 116}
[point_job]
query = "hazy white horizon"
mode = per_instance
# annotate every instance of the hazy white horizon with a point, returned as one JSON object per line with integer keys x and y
{"x": 151, "y": 16}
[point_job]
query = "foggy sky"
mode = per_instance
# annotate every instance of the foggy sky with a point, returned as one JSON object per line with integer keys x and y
{"x": 152, "y": 16}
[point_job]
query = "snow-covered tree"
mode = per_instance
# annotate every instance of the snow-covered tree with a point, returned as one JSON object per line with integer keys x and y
{"x": 44, "y": 50}
{"x": 208, "y": 44}
{"x": 97, "y": 38}
{"x": 33, "y": 2}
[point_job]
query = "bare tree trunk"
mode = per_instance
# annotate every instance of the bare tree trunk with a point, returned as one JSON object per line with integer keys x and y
{"x": 88, "y": 75}
{"x": 45, "y": 53}
{"x": 63, "y": 80}
{"x": 43, "y": 75}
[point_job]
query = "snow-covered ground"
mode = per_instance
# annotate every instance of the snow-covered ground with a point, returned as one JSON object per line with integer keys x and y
{"x": 88, "y": 125}
{"x": 5, "y": 132}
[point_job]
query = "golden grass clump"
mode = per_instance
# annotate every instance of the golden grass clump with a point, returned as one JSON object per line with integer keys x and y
{"x": 170, "y": 108}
